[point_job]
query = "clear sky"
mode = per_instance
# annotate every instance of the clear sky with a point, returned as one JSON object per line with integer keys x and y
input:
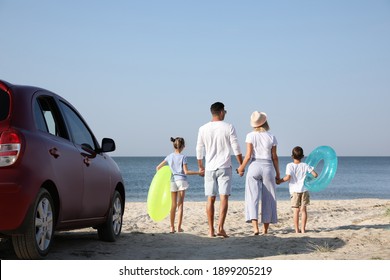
{"x": 143, "y": 71}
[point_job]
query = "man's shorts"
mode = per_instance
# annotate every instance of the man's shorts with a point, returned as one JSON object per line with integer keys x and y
{"x": 300, "y": 199}
{"x": 218, "y": 182}
{"x": 180, "y": 185}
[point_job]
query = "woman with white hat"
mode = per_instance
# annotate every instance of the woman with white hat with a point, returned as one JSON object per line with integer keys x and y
{"x": 262, "y": 171}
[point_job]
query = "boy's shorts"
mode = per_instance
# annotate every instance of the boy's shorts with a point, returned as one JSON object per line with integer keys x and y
{"x": 218, "y": 182}
{"x": 180, "y": 185}
{"x": 300, "y": 199}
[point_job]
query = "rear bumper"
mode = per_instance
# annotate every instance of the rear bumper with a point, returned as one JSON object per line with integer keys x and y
{"x": 14, "y": 206}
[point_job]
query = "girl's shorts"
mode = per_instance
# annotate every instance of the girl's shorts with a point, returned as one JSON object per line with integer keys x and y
{"x": 180, "y": 185}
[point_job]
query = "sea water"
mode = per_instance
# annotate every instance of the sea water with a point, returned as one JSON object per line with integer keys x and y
{"x": 356, "y": 177}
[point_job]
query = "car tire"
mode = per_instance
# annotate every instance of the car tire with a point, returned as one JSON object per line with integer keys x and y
{"x": 112, "y": 228}
{"x": 35, "y": 243}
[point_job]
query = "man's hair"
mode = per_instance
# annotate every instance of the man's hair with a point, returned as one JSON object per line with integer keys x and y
{"x": 297, "y": 153}
{"x": 217, "y": 108}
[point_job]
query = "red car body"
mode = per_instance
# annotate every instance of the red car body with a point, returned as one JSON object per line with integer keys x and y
{"x": 54, "y": 175}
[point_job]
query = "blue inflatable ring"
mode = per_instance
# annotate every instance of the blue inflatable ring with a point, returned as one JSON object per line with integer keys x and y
{"x": 328, "y": 155}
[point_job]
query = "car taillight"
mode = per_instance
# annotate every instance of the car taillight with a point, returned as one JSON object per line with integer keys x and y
{"x": 10, "y": 143}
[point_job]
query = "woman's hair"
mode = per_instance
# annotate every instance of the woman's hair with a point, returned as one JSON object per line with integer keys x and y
{"x": 178, "y": 143}
{"x": 297, "y": 153}
{"x": 263, "y": 127}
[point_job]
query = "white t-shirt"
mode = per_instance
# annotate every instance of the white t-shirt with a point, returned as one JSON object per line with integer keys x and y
{"x": 215, "y": 141}
{"x": 262, "y": 144}
{"x": 298, "y": 174}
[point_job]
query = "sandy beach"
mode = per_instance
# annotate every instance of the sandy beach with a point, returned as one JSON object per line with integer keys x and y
{"x": 337, "y": 230}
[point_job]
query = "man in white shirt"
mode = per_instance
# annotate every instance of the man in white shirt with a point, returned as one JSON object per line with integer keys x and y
{"x": 216, "y": 140}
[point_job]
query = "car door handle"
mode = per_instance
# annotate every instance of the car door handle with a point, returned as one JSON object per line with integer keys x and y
{"x": 54, "y": 152}
{"x": 87, "y": 161}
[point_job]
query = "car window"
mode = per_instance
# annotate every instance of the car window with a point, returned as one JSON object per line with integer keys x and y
{"x": 47, "y": 116}
{"x": 80, "y": 132}
{"x": 39, "y": 118}
{"x": 4, "y": 105}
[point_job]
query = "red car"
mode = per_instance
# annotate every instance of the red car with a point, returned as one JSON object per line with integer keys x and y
{"x": 54, "y": 175}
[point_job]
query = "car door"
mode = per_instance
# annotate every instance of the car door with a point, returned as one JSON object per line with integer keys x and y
{"x": 66, "y": 170}
{"x": 97, "y": 190}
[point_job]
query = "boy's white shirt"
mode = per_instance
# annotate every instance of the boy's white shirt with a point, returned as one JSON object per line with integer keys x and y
{"x": 298, "y": 174}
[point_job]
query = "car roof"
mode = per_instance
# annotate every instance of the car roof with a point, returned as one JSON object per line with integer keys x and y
{"x": 21, "y": 100}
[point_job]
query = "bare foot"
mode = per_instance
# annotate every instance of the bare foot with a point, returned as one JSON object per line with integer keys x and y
{"x": 223, "y": 234}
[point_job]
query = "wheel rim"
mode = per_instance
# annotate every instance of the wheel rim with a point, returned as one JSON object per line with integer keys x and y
{"x": 43, "y": 224}
{"x": 117, "y": 216}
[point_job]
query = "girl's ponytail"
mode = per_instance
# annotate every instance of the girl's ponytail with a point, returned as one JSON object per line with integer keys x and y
{"x": 178, "y": 143}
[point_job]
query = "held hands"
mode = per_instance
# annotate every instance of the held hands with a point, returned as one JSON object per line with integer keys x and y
{"x": 240, "y": 171}
{"x": 279, "y": 181}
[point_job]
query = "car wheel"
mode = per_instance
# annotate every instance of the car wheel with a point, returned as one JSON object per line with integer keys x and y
{"x": 111, "y": 229}
{"x": 36, "y": 241}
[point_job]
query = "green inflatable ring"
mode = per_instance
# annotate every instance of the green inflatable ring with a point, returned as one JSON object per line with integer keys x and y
{"x": 159, "y": 195}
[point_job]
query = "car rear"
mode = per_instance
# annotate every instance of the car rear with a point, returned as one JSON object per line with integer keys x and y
{"x": 11, "y": 141}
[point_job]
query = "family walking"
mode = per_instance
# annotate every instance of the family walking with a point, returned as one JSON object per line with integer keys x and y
{"x": 216, "y": 141}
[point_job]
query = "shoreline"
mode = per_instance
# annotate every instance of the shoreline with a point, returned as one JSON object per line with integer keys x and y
{"x": 356, "y": 229}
